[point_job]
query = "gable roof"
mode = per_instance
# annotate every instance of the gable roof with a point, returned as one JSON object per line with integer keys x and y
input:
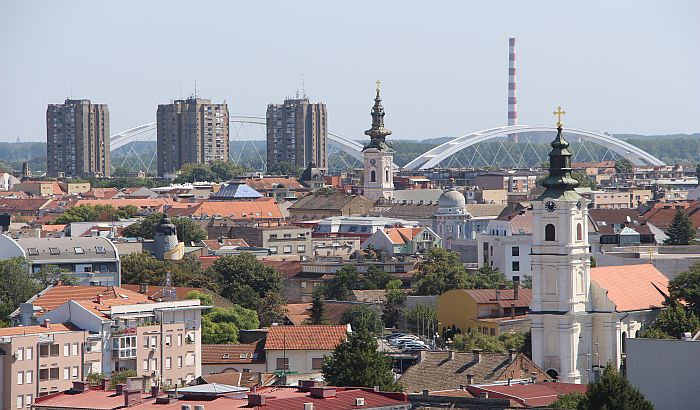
{"x": 55, "y": 296}
{"x": 268, "y": 183}
{"x": 488, "y": 296}
{"x": 484, "y": 210}
{"x": 297, "y": 313}
{"x": 236, "y": 191}
{"x": 632, "y": 287}
{"x": 216, "y": 244}
{"x": 332, "y": 202}
{"x": 23, "y": 204}
{"x": 438, "y": 372}
{"x": 262, "y": 208}
{"x": 405, "y": 211}
{"x": 661, "y": 214}
{"x": 246, "y": 353}
{"x": 311, "y": 337}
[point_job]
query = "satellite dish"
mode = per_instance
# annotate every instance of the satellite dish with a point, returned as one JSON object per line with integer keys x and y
{"x": 628, "y": 219}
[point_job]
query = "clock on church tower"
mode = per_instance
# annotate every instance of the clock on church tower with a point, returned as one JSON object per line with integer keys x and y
{"x": 378, "y": 157}
{"x": 560, "y": 270}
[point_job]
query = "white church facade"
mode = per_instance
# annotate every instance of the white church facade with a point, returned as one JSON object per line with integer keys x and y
{"x": 378, "y": 157}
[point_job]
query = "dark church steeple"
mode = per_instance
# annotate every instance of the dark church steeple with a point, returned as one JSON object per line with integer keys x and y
{"x": 559, "y": 180}
{"x": 378, "y": 133}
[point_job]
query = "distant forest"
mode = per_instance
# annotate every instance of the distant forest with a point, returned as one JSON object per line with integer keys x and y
{"x": 139, "y": 155}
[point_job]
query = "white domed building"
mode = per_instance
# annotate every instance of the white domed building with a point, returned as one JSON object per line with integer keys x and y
{"x": 452, "y": 222}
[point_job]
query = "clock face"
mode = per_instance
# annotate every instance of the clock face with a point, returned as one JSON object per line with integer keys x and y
{"x": 579, "y": 205}
{"x": 550, "y": 206}
{"x": 373, "y": 162}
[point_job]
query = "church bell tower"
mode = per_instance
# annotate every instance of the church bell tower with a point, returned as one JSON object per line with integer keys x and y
{"x": 378, "y": 157}
{"x": 561, "y": 324}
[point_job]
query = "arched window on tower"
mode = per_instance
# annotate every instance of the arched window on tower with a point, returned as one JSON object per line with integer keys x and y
{"x": 373, "y": 176}
{"x": 386, "y": 178}
{"x": 579, "y": 232}
{"x": 624, "y": 342}
{"x": 549, "y": 233}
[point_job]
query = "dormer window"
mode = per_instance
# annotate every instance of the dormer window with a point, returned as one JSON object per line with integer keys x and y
{"x": 54, "y": 251}
{"x": 78, "y": 250}
{"x": 100, "y": 249}
{"x": 32, "y": 251}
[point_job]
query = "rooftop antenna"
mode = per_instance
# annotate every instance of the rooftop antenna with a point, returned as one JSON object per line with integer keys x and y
{"x": 195, "y": 87}
{"x": 301, "y": 86}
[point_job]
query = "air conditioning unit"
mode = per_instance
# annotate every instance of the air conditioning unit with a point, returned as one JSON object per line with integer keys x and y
{"x": 359, "y": 401}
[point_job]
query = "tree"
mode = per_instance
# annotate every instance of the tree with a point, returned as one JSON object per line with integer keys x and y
{"x": 285, "y": 168}
{"x": 676, "y": 320}
{"x": 271, "y": 308}
{"x": 218, "y": 333}
{"x": 92, "y": 213}
{"x": 195, "y": 173}
{"x": 655, "y": 333}
{"x": 16, "y": 285}
{"x": 50, "y": 274}
{"x": 189, "y": 231}
{"x": 681, "y": 231}
{"x": 439, "y": 272}
{"x": 487, "y": 277}
{"x": 225, "y": 170}
{"x": 204, "y": 299}
{"x": 421, "y": 319}
{"x": 466, "y": 342}
{"x": 376, "y": 278}
{"x": 344, "y": 281}
{"x": 584, "y": 181}
{"x": 569, "y": 401}
{"x": 357, "y": 362}
{"x": 145, "y": 268}
{"x": 244, "y": 280}
{"x": 120, "y": 377}
{"x": 623, "y": 166}
{"x": 686, "y": 287}
{"x": 395, "y": 298}
{"x": 363, "y": 316}
{"x": 527, "y": 282}
{"x": 613, "y": 391}
{"x": 222, "y": 325}
{"x": 317, "y": 313}
{"x": 513, "y": 341}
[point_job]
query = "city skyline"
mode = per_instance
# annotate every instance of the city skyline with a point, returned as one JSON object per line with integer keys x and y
{"x": 622, "y": 68}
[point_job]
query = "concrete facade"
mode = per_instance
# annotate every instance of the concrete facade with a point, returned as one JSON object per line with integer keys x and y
{"x": 297, "y": 133}
{"x": 77, "y": 139}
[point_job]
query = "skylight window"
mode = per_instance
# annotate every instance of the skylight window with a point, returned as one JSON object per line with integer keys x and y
{"x": 54, "y": 251}
{"x": 32, "y": 251}
{"x": 78, "y": 250}
{"x": 100, "y": 249}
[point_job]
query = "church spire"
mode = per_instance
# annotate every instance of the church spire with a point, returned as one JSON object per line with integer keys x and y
{"x": 559, "y": 180}
{"x": 378, "y": 133}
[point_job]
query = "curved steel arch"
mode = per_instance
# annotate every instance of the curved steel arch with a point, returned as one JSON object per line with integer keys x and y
{"x": 432, "y": 158}
{"x": 120, "y": 139}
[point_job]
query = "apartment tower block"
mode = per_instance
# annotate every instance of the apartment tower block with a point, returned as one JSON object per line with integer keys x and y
{"x": 77, "y": 139}
{"x": 191, "y": 131}
{"x": 297, "y": 133}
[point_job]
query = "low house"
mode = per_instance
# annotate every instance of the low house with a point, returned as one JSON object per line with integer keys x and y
{"x": 239, "y": 379}
{"x": 301, "y": 349}
{"x": 244, "y": 357}
{"x": 486, "y": 311}
{"x": 318, "y": 205}
{"x": 403, "y": 241}
{"x": 527, "y": 393}
{"x": 610, "y": 228}
{"x": 453, "y": 370}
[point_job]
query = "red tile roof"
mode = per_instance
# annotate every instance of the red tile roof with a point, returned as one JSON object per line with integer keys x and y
{"x": 661, "y": 214}
{"x": 111, "y": 295}
{"x": 632, "y": 287}
{"x": 305, "y": 337}
{"x": 268, "y": 183}
{"x": 288, "y": 269}
{"x": 233, "y": 354}
{"x": 530, "y": 394}
{"x": 91, "y": 399}
{"x": 23, "y": 205}
{"x": 33, "y": 330}
{"x": 488, "y": 296}
{"x": 215, "y": 245}
{"x": 263, "y": 208}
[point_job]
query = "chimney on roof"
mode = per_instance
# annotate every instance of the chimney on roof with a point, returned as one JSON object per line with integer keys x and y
{"x": 451, "y": 354}
{"x": 516, "y": 287}
{"x": 533, "y": 377}
{"x": 470, "y": 379}
{"x": 99, "y": 298}
{"x": 47, "y": 323}
{"x": 483, "y": 395}
{"x": 155, "y": 390}
{"x": 322, "y": 392}
{"x": 80, "y": 386}
{"x": 498, "y": 293}
{"x": 131, "y": 397}
{"x": 105, "y": 383}
{"x": 256, "y": 400}
{"x": 511, "y": 355}
{"x": 477, "y": 355}
{"x": 119, "y": 388}
{"x": 510, "y": 381}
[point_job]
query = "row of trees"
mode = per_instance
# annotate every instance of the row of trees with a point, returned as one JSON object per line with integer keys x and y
{"x": 216, "y": 171}
{"x": 188, "y": 231}
{"x": 96, "y": 213}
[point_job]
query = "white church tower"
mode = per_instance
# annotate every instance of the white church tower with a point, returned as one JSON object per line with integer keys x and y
{"x": 560, "y": 308}
{"x": 378, "y": 157}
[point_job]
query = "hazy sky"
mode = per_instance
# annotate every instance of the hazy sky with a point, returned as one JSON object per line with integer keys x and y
{"x": 616, "y": 66}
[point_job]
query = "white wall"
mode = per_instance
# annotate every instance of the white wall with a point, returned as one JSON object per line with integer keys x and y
{"x": 299, "y": 360}
{"x": 9, "y": 248}
{"x": 666, "y": 371}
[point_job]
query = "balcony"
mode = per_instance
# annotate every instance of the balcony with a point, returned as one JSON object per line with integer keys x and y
{"x": 124, "y": 347}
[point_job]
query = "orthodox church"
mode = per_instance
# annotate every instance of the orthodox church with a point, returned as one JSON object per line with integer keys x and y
{"x": 580, "y": 317}
{"x": 378, "y": 157}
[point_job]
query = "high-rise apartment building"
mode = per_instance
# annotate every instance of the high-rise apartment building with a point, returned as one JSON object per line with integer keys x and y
{"x": 191, "y": 131}
{"x": 297, "y": 133}
{"x": 77, "y": 139}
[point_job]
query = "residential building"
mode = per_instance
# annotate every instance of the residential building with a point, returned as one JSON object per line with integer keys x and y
{"x": 358, "y": 227}
{"x": 513, "y": 181}
{"x": 487, "y": 311}
{"x": 191, "y": 131}
{"x": 30, "y": 207}
{"x": 92, "y": 261}
{"x": 665, "y": 371}
{"x": 612, "y": 228}
{"x": 317, "y": 205}
{"x": 39, "y": 360}
{"x": 280, "y": 188}
{"x": 221, "y": 213}
{"x": 403, "y": 241}
{"x": 448, "y": 370}
{"x": 378, "y": 157}
{"x": 302, "y": 348}
{"x": 287, "y": 240}
{"x": 164, "y": 293}
{"x": 7, "y": 181}
{"x": 77, "y": 139}
{"x": 342, "y": 248}
{"x": 506, "y": 243}
{"x": 297, "y": 133}
{"x": 244, "y": 357}
{"x": 39, "y": 188}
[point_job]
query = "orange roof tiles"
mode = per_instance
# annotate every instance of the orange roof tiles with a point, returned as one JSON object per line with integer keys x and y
{"x": 33, "y": 330}
{"x": 234, "y": 354}
{"x": 488, "y": 296}
{"x": 305, "y": 337}
{"x": 263, "y": 208}
{"x": 399, "y": 236}
{"x": 111, "y": 295}
{"x": 632, "y": 287}
{"x": 267, "y": 183}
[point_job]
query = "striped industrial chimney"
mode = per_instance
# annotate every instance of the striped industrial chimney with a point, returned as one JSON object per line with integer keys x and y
{"x": 512, "y": 99}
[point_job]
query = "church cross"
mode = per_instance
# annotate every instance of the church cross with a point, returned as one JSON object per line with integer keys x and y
{"x": 379, "y": 83}
{"x": 559, "y": 113}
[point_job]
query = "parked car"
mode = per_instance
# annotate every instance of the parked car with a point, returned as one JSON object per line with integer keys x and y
{"x": 403, "y": 343}
{"x": 414, "y": 348}
{"x": 394, "y": 335}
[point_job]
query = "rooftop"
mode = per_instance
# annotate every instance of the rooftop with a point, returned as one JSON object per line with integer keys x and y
{"x": 632, "y": 287}
{"x": 233, "y": 353}
{"x": 305, "y": 337}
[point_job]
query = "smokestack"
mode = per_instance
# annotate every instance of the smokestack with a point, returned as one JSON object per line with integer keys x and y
{"x": 512, "y": 99}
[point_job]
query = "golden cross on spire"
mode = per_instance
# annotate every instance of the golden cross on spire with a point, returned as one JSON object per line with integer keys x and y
{"x": 559, "y": 113}
{"x": 379, "y": 84}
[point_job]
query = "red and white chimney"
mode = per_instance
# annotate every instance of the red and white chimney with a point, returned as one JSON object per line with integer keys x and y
{"x": 512, "y": 97}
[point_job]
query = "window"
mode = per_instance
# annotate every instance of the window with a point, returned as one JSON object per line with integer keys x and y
{"x": 168, "y": 340}
{"x": 516, "y": 266}
{"x": 145, "y": 365}
{"x": 179, "y": 362}
{"x": 373, "y": 176}
{"x": 168, "y": 363}
{"x": 243, "y": 356}
{"x": 32, "y": 251}
{"x": 287, "y": 235}
{"x": 386, "y": 175}
{"x": 287, "y": 249}
{"x": 283, "y": 362}
{"x": 66, "y": 373}
{"x": 145, "y": 341}
{"x": 78, "y": 250}
{"x": 154, "y": 364}
{"x": 20, "y": 401}
{"x": 273, "y": 249}
{"x": 154, "y": 342}
{"x": 53, "y": 373}
{"x": 30, "y": 400}
{"x": 301, "y": 248}
{"x": 100, "y": 249}
{"x": 54, "y": 350}
{"x": 29, "y": 377}
{"x": 43, "y": 374}
{"x": 30, "y": 353}
{"x": 579, "y": 232}
{"x": 179, "y": 339}
{"x": 76, "y": 371}
{"x": 66, "y": 349}
{"x": 20, "y": 354}
{"x": 54, "y": 251}
{"x": 317, "y": 362}
{"x": 549, "y": 233}
{"x": 20, "y": 377}
{"x": 515, "y": 251}
{"x": 75, "y": 348}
